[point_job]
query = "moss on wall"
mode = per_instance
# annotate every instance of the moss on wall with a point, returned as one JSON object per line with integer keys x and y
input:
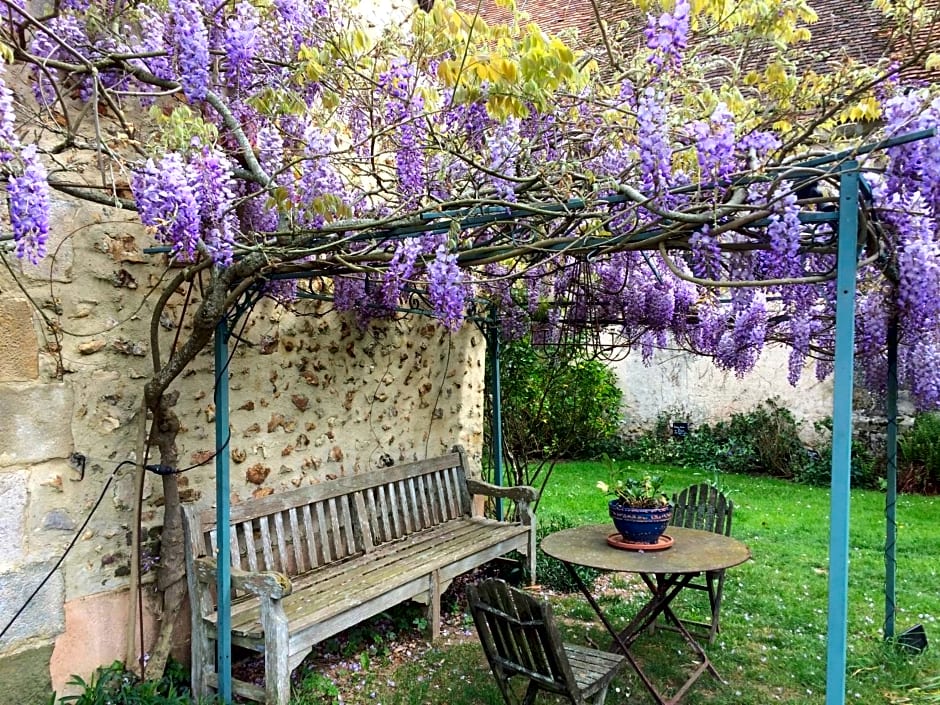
{"x": 25, "y": 676}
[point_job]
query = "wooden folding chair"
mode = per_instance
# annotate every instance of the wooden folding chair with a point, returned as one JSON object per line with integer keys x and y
{"x": 706, "y": 508}
{"x": 520, "y": 639}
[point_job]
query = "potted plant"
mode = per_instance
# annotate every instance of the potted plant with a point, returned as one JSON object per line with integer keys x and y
{"x": 640, "y": 509}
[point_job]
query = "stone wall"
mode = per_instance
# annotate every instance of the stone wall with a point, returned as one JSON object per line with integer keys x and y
{"x": 313, "y": 396}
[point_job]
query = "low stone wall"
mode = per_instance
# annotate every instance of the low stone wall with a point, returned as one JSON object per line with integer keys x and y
{"x": 691, "y": 388}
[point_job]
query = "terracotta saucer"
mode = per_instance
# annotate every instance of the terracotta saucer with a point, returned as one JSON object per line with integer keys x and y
{"x": 616, "y": 540}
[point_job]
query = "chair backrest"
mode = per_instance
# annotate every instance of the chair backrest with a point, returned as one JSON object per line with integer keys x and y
{"x": 704, "y": 507}
{"x": 519, "y": 637}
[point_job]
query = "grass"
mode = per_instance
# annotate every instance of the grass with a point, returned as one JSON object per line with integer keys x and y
{"x": 772, "y": 646}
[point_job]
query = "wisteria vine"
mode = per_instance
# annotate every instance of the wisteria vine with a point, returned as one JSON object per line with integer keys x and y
{"x": 493, "y": 164}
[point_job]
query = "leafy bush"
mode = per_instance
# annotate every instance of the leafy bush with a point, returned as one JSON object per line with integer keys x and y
{"x": 557, "y": 402}
{"x": 115, "y": 685}
{"x": 919, "y": 451}
{"x": 817, "y": 470}
{"x": 551, "y": 572}
{"x": 764, "y": 441}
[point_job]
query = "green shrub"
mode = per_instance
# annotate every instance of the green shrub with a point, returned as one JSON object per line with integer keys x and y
{"x": 115, "y": 685}
{"x": 919, "y": 451}
{"x": 764, "y": 440}
{"x": 317, "y": 689}
{"x": 818, "y": 467}
{"x": 557, "y": 402}
{"x": 552, "y": 573}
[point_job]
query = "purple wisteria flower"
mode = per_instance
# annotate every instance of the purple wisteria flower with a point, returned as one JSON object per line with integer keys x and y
{"x": 504, "y": 149}
{"x": 166, "y": 200}
{"x": 446, "y": 288}
{"x": 320, "y": 184}
{"x": 215, "y": 188}
{"x": 714, "y": 141}
{"x": 71, "y": 32}
{"x": 400, "y": 270}
{"x": 668, "y": 35}
{"x": 784, "y": 231}
{"x": 154, "y": 31}
{"x": 706, "y": 255}
{"x": 241, "y": 43}
{"x": 652, "y": 136}
{"x": 871, "y": 335}
{"x": 403, "y": 109}
{"x": 9, "y": 142}
{"x": 29, "y": 207}
{"x": 191, "y": 42}
{"x": 740, "y": 347}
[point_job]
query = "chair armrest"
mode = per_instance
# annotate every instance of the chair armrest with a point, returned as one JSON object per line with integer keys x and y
{"x": 518, "y": 493}
{"x": 263, "y": 584}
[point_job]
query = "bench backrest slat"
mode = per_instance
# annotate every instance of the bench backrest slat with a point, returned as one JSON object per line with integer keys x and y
{"x": 299, "y": 530}
{"x": 297, "y": 545}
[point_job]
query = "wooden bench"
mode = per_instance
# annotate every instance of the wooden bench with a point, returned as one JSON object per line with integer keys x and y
{"x": 311, "y": 562}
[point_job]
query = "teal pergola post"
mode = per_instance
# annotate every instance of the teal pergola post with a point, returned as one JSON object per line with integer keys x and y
{"x": 496, "y": 432}
{"x": 222, "y": 511}
{"x": 891, "y": 496}
{"x": 842, "y": 434}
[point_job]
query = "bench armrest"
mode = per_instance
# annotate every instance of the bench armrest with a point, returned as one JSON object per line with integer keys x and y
{"x": 522, "y": 495}
{"x": 263, "y": 584}
{"x": 518, "y": 493}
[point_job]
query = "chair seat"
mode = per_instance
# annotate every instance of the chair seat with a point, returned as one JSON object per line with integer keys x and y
{"x": 591, "y": 666}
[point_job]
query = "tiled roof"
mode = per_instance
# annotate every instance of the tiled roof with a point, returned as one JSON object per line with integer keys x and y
{"x": 845, "y": 29}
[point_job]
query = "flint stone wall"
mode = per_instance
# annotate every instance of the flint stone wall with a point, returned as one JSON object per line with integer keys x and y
{"x": 313, "y": 396}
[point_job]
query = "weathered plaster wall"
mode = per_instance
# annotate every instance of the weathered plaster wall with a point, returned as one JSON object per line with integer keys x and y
{"x": 694, "y": 389}
{"x": 312, "y": 396}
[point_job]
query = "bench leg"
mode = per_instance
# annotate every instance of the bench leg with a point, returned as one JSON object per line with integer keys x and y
{"x": 434, "y": 606}
{"x": 276, "y": 662}
{"x": 203, "y": 655}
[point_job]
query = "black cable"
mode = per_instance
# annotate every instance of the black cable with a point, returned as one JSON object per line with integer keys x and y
{"x": 71, "y": 545}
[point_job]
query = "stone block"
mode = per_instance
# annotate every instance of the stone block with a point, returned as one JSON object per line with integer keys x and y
{"x": 25, "y": 676}
{"x": 94, "y": 636}
{"x": 44, "y": 615}
{"x": 12, "y": 531}
{"x": 19, "y": 346}
{"x": 35, "y": 423}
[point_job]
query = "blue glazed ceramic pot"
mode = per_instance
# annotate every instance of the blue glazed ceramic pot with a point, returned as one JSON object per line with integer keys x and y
{"x": 640, "y": 524}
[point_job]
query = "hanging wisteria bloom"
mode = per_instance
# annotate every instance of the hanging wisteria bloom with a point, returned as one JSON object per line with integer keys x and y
{"x": 504, "y": 148}
{"x": 714, "y": 141}
{"x": 9, "y": 142}
{"x": 166, "y": 200}
{"x": 241, "y": 40}
{"x": 652, "y": 136}
{"x": 403, "y": 107}
{"x": 191, "y": 41}
{"x": 446, "y": 288}
{"x": 29, "y": 207}
{"x": 668, "y": 35}
{"x": 216, "y": 195}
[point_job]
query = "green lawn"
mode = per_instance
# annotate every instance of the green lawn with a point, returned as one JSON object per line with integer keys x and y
{"x": 772, "y": 647}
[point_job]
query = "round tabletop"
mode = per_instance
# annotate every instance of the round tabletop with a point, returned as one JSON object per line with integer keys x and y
{"x": 694, "y": 551}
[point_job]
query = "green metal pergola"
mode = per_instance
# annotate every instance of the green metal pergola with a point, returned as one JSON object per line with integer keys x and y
{"x": 845, "y": 218}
